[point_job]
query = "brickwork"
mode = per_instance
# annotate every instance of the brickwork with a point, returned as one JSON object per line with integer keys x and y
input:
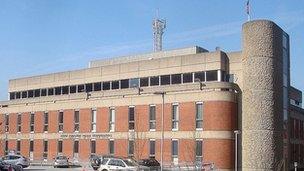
{"x": 103, "y": 119}
{"x": 53, "y": 121}
{"x": 25, "y": 120}
{"x": 39, "y": 118}
{"x": 85, "y": 120}
{"x": 13, "y": 123}
{"x": 68, "y": 121}
{"x": 121, "y": 119}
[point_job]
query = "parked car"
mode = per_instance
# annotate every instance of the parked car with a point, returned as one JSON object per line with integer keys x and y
{"x": 61, "y": 161}
{"x": 95, "y": 161}
{"x": 15, "y": 159}
{"x": 114, "y": 163}
{"x": 5, "y": 166}
{"x": 152, "y": 163}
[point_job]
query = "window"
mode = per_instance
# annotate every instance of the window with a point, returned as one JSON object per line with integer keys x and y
{"x": 152, "y": 148}
{"x": 152, "y": 117}
{"x": 43, "y": 92}
{"x": 59, "y": 146}
{"x": 65, "y": 90}
{"x": 111, "y": 147}
{"x": 131, "y": 148}
{"x": 18, "y": 148}
{"x": 199, "y": 150}
{"x": 175, "y": 116}
{"x": 97, "y": 86}
{"x": 187, "y": 78}
{"x": 176, "y": 79}
{"x": 134, "y": 82}
{"x": 76, "y": 120}
{"x": 72, "y": 89}
{"x": 6, "y": 147}
{"x": 60, "y": 121}
{"x": 57, "y": 90}
{"x": 211, "y": 75}
{"x": 199, "y": 115}
{"x": 131, "y": 118}
{"x": 94, "y": 118}
{"x": 165, "y": 79}
{"x": 46, "y": 121}
{"x": 19, "y": 122}
{"x": 31, "y": 145}
{"x": 106, "y": 85}
{"x": 89, "y": 87}
{"x": 124, "y": 83}
{"x": 45, "y": 149}
{"x": 76, "y": 147}
{"x": 50, "y": 91}
{"x": 30, "y": 93}
{"x": 24, "y": 94}
{"x": 115, "y": 85}
{"x": 80, "y": 88}
{"x": 18, "y": 95}
{"x": 154, "y": 81}
{"x": 174, "y": 151}
{"x": 200, "y": 76}
{"x": 93, "y": 146}
{"x": 112, "y": 120}
{"x": 144, "y": 82}
{"x": 6, "y": 122}
{"x": 32, "y": 122}
{"x": 12, "y": 96}
{"x": 37, "y": 93}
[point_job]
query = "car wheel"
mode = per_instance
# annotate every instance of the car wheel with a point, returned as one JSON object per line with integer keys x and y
{"x": 104, "y": 170}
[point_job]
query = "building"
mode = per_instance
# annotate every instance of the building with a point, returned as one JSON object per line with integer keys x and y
{"x": 115, "y": 107}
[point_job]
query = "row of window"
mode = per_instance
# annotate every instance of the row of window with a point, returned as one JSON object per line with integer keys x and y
{"x": 111, "y": 148}
{"x": 132, "y": 119}
{"x": 123, "y": 84}
{"x": 296, "y": 128}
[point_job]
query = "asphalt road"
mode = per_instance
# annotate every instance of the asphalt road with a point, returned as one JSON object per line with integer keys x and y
{"x": 49, "y": 168}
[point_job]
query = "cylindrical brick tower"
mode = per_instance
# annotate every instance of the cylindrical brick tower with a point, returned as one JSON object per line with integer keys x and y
{"x": 262, "y": 100}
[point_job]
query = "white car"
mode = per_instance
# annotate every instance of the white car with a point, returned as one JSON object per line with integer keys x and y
{"x": 16, "y": 160}
{"x": 108, "y": 164}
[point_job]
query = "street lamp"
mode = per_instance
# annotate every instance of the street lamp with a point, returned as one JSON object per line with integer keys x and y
{"x": 200, "y": 82}
{"x": 162, "y": 93}
{"x": 236, "y": 132}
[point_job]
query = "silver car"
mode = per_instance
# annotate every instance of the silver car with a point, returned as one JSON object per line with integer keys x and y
{"x": 16, "y": 160}
{"x": 61, "y": 161}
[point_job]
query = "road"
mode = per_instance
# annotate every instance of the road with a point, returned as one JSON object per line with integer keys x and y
{"x": 49, "y": 168}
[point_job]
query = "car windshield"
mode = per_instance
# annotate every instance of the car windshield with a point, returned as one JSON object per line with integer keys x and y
{"x": 61, "y": 158}
{"x": 130, "y": 162}
{"x": 104, "y": 161}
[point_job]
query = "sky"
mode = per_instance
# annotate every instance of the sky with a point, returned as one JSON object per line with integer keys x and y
{"x": 46, "y": 36}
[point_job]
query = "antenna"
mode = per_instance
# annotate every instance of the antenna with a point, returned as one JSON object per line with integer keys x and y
{"x": 158, "y": 26}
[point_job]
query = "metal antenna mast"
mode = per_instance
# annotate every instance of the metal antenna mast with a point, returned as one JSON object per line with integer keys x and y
{"x": 158, "y": 29}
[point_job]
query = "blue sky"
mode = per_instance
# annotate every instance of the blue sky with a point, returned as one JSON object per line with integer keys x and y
{"x": 45, "y": 36}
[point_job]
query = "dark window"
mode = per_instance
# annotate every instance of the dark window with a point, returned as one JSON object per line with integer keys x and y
{"x": 30, "y": 93}
{"x": 131, "y": 148}
{"x": 199, "y": 115}
{"x": 18, "y": 146}
{"x": 124, "y": 83}
{"x": 12, "y": 95}
{"x": 60, "y": 121}
{"x": 187, "y": 78}
{"x": 176, "y": 78}
{"x": 199, "y": 76}
{"x": 46, "y": 121}
{"x": 211, "y": 75}
{"x": 76, "y": 120}
{"x": 199, "y": 148}
{"x": 134, "y": 82}
{"x": 43, "y": 92}
{"x": 89, "y": 87}
{"x": 115, "y": 85}
{"x": 131, "y": 118}
{"x": 152, "y": 147}
{"x": 31, "y": 146}
{"x": 111, "y": 147}
{"x": 65, "y": 90}
{"x": 32, "y": 122}
{"x": 80, "y": 88}
{"x": 106, "y": 86}
{"x": 152, "y": 117}
{"x": 19, "y": 122}
{"x": 59, "y": 146}
{"x": 72, "y": 89}
{"x": 76, "y": 146}
{"x": 6, "y": 147}
{"x": 45, "y": 145}
{"x": 24, "y": 94}
{"x": 144, "y": 82}
{"x": 174, "y": 148}
{"x": 18, "y": 95}
{"x": 154, "y": 81}
{"x": 57, "y": 90}
{"x": 165, "y": 79}
{"x": 50, "y": 91}
{"x": 224, "y": 76}
{"x": 93, "y": 146}
{"x": 37, "y": 93}
{"x": 97, "y": 86}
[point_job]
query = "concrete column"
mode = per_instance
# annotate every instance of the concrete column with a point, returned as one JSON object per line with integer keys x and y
{"x": 262, "y": 110}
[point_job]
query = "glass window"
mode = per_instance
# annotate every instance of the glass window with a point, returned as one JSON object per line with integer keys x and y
{"x": 76, "y": 120}
{"x": 211, "y": 75}
{"x": 31, "y": 145}
{"x": 111, "y": 147}
{"x": 115, "y": 85}
{"x": 176, "y": 78}
{"x": 18, "y": 95}
{"x": 24, "y": 94}
{"x": 18, "y": 146}
{"x": 187, "y": 78}
{"x": 93, "y": 119}
{"x": 12, "y": 95}
{"x": 80, "y": 88}
{"x": 144, "y": 82}
{"x": 6, "y": 147}
{"x": 152, "y": 148}
{"x": 199, "y": 115}
{"x": 134, "y": 82}
{"x": 97, "y": 86}
{"x": 19, "y": 122}
{"x": 59, "y": 146}
{"x": 165, "y": 79}
{"x": 131, "y": 148}
{"x": 76, "y": 146}
{"x": 60, "y": 121}
{"x": 175, "y": 116}
{"x": 30, "y": 93}
{"x": 199, "y": 76}
{"x": 93, "y": 146}
{"x": 124, "y": 83}
{"x": 106, "y": 85}
{"x": 152, "y": 117}
{"x": 46, "y": 121}
{"x": 65, "y": 90}
{"x": 73, "y": 89}
{"x": 57, "y": 90}
{"x": 89, "y": 87}
{"x": 32, "y": 122}
{"x": 45, "y": 146}
{"x": 154, "y": 81}
{"x": 6, "y": 122}
{"x": 50, "y": 91}
{"x": 37, "y": 93}
{"x": 199, "y": 150}
{"x": 174, "y": 148}
{"x": 112, "y": 120}
{"x": 43, "y": 92}
{"x": 131, "y": 118}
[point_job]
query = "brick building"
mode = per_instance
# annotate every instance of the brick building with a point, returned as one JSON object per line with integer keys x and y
{"x": 114, "y": 107}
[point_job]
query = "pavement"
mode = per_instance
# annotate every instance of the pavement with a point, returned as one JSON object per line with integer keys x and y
{"x": 51, "y": 168}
